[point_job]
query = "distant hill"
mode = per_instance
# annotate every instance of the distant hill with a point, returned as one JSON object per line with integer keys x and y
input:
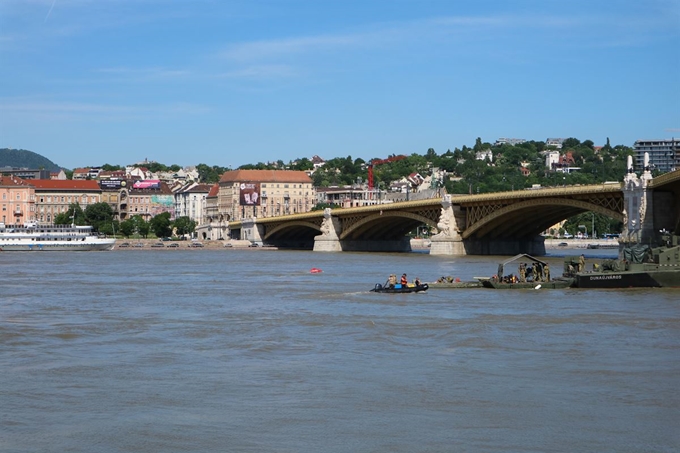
{"x": 22, "y": 158}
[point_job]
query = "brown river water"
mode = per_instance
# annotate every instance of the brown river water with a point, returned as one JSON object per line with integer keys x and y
{"x": 247, "y": 351}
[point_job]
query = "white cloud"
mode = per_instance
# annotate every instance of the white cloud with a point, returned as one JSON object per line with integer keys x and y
{"x": 269, "y": 48}
{"x": 261, "y": 72}
{"x": 145, "y": 74}
{"x": 83, "y": 110}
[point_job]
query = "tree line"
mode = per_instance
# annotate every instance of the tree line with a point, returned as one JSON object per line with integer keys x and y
{"x": 101, "y": 217}
{"x": 465, "y": 173}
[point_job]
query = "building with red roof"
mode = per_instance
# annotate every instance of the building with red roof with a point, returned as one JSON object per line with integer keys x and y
{"x": 81, "y": 173}
{"x": 54, "y": 196}
{"x": 245, "y": 194}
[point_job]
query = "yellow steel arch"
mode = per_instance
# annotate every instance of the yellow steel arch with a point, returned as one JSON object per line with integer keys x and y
{"x": 289, "y": 225}
{"x": 384, "y": 216}
{"x": 504, "y": 211}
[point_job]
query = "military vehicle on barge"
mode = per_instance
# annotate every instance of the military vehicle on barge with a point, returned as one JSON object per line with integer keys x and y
{"x": 640, "y": 266}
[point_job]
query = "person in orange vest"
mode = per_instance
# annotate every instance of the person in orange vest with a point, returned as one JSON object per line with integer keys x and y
{"x": 404, "y": 280}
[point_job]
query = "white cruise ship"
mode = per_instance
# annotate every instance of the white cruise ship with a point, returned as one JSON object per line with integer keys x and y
{"x": 33, "y": 236}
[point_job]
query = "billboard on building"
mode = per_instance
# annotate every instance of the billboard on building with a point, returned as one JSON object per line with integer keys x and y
{"x": 250, "y": 194}
{"x": 112, "y": 184}
{"x": 147, "y": 184}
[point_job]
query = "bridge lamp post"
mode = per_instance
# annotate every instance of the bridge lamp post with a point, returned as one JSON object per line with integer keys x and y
{"x": 592, "y": 226}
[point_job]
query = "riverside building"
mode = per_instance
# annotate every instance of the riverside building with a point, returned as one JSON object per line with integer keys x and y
{"x": 53, "y": 197}
{"x": 244, "y": 194}
{"x": 664, "y": 155}
{"x": 17, "y": 201}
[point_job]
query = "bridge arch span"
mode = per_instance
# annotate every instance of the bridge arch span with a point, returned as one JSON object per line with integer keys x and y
{"x": 293, "y": 230}
{"x": 531, "y": 217}
{"x": 388, "y": 225}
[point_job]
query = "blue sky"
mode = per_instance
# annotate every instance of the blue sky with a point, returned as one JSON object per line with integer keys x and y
{"x": 88, "y": 82}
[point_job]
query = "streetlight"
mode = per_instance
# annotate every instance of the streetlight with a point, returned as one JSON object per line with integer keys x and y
{"x": 592, "y": 226}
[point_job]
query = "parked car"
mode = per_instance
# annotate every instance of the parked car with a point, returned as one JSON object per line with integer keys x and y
{"x": 138, "y": 244}
{"x": 562, "y": 244}
{"x": 254, "y": 244}
{"x": 124, "y": 245}
{"x": 165, "y": 239}
{"x": 196, "y": 244}
{"x": 228, "y": 244}
{"x": 157, "y": 244}
{"x": 173, "y": 245}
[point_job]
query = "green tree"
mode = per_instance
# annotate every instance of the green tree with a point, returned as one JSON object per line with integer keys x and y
{"x": 127, "y": 227}
{"x": 478, "y": 145}
{"x": 141, "y": 226}
{"x": 110, "y": 228}
{"x": 570, "y": 143}
{"x": 74, "y": 215}
{"x": 109, "y": 167}
{"x": 184, "y": 225}
{"x": 161, "y": 225}
{"x": 602, "y": 224}
{"x": 98, "y": 215}
{"x": 208, "y": 174}
{"x": 302, "y": 164}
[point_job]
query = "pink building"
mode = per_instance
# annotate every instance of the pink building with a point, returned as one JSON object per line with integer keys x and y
{"x": 17, "y": 198}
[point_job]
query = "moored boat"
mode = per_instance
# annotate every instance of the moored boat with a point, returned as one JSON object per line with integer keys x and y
{"x": 32, "y": 236}
{"x": 533, "y": 274}
{"x": 641, "y": 266}
{"x": 461, "y": 284}
{"x": 552, "y": 284}
{"x": 410, "y": 288}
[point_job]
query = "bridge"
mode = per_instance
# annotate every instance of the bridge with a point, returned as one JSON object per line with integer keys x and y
{"x": 501, "y": 223}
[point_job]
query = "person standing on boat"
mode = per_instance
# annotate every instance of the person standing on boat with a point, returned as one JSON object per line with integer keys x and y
{"x": 417, "y": 281}
{"x": 522, "y": 272}
{"x": 581, "y": 263}
{"x": 392, "y": 280}
{"x": 538, "y": 272}
{"x": 546, "y": 272}
{"x": 404, "y": 280}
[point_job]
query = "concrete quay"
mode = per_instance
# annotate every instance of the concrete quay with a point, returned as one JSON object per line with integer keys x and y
{"x": 580, "y": 243}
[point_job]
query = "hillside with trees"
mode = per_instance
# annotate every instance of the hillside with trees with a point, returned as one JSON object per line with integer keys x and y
{"x": 510, "y": 167}
{"x": 21, "y": 158}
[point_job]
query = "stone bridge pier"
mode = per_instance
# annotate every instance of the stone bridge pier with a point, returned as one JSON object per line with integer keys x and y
{"x": 450, "y": 241}
{"x": 330, "y": 239}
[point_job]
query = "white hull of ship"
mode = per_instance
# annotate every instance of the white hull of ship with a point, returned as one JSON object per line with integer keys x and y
{"x": 27, "y": 245}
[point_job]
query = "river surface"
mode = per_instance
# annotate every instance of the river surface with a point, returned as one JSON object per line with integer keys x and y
{"x": 247, "y": 351}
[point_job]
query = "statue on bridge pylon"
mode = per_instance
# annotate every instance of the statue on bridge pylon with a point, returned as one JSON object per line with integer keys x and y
{"x": 447, "y": 225}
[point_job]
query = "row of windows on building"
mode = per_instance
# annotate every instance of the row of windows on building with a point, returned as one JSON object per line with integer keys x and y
{"x": 73, "y": 199}
{"x": 18, "y": 197}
